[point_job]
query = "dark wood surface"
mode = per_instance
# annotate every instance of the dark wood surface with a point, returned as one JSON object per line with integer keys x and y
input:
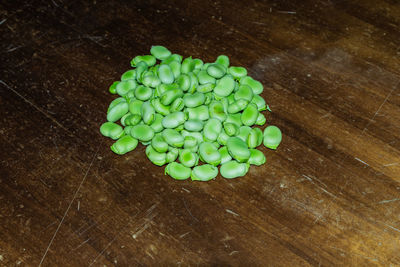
{"x": 330, "y": 195}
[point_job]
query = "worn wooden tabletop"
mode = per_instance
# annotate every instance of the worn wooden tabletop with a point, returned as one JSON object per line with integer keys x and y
{"x": 330, "y": 195}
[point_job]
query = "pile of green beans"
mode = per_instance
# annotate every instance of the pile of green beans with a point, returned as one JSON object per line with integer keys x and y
{"x": 192, "y": 116}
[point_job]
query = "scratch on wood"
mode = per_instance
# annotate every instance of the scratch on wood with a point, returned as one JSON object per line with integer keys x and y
{"x": 184, "y": 189}
{"x": 183, "y": 235}
{"x": 79, "y": 205}
{"x": 286, "y": 12}
{"x": 391, "y": 227}
{"x": 323, "y": 189}
{"x": 4, "y": 20}
{"x": 231, "y": 212}
{"x": 233, "y": 252}
{"x": 184, "y": 203}
{"x": 84, "y": 242}
{"x": 363, "y": 162}
{"x": 391, "y": 164}
{"x": 388, "y": 201}
{"x": 69, "y": 206}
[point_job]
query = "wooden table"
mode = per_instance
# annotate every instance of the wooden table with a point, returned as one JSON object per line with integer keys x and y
{"x": 330, "y": 194}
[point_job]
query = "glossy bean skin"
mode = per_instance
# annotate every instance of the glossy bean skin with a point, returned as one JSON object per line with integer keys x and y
{"x": 223, "y": 60}
{"x": 162, "y": 88}
{"x": 131, "y": 119}
{"x": 169, "y": 96}
{"x": 194, "y": 125}
{"x": 112, "y": 130}
{"x": 238, "y": 149}
{"x": 224, "y": 86}
{"x": 244, "y": 132}
{"x": 212, "y": 129}
{"x": 260, "y": 119}
{"x": 190, "y": 143}
{"x": 173, "y": 137}
{"x": 225, "y": 156}
{"x": 199, "y": 136}
{"x": 177, "y": 105}
{"x": 129, "y": 75}
{"x": 148, "y": 113}
{"x": 149, "y": 79}
{"x": 187, "y": 65}
{"x": 249, "y": 115}
{"x": 237, "y": 72}
{"x": 194, "y": 100}
{"x": 148, "y": 59}
{"x": 231, "y": 129}
{"x": 234, "y": 118}
{"x": 188, "y": 158}
{"x": 171, "y": 58}
{"x": 216, "y": 70}
{"x": 172, "y": 154}
{"x": 174, "y": 119}
{"x": 113, "y": 87}
{"x": 222, "y": 138}
{"x": 216, "y": 110}
{"x": 160, "y": 52}
{"x": 237, "y": 106}
{"x": 135, "y": 106}
{"x": 175, "y": 68}
{"x": 260, "y": 102}
{"x": 206, "y": 88}
{"x": 117, "y": 111}
{"x": 142, "y": 132}
{"x": 124, "y": 145}
{"x": 255, "y": 138}
{"x": 194, "y": 82}
{"x": 158, "y": 143}
{"x": 209, "y": 153}
{"x": 233, "y": 169}
{"x": 165, "y": 74}
{"x": 256, "y": 157}
{"x": 115, "y": 102}
{"x": 123, "y": 87}
{"x": 244, "y": 92}
{"x": 141, "y": 67}
{"x": 143, "y": 93}
{"x": 272, "y": 137}
{"x": 198, "y": 63}
{"x": 159, "y": 107}
{"x": 178, "y": 171}
{"x": 256, "y": 86}
{"x": 205, "y": 78}
{"x": 184, "y": 82}
{"x": 156, "y": 125}
{"x": 200, "y": 113}
{"x": 204, "y": 172}
{"x": 155, "y": 157}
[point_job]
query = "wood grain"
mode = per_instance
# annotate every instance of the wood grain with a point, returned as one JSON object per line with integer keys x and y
{"x": 330, "y": 195}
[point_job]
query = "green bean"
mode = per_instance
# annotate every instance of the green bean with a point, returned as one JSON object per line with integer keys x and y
{"x": 225, "y": 104}
{"x": 237, "y": 106}
{"x": 216, "y": 70}
{"x": 131, "y": 119}
{"x": 143, "y": 93}
{"x": 194, "y": 125}
{"x": 113, "y": 87}
{"x": 237, "y": 72}
{"x": 234, "y": 118}
{"x": 177, "y": 105}
{"x": 156, "y": 125}
{"x": 183, "y": 81}
{"x": 205, "y": 88}
{"x": 117, "y": 111}
{"x": 223, "y": 60}
{"x": 188, "y": 158}
{"x": 238, "y": 149}
{"x": 233, "y": 169}
{"x": 159, "y": 107}
{"x": 244, "y": 132}
{"x": 174, "y": 119}
{"x": 249, "y": 115}
{"x": 124, "y": 145}
{"x": 178, "y": 171}
{"x": 209, "y": 97}
{"x": 176, "y": 68}
{"x": 216, "y": 110}
{"x": 224, "y": 86}
{"x": 148, "y": 59}
{"x": 115, "y": 102}
{"x": 162, "y": 88}
{"x": 209, "y": 153}
{"x": 165, "y": 74}
{"x": 123, "y": 87}
{"x": 272, "y": 137}
{"x": 204, "y": 172}
{"x": 260, "y": 119}
{"x": 159, "y": 144}
{"x": 155, "y": 157}
{"x": 171, "y": 58}
{"x": 190, "y": 143}
{"x": 187, "y": 65}
{"x": 256, "y": 157}
{"x": 172, "y": 154}
{"x": 260, "y": 102}
{"x": 142, "y": 132}
{"x": 150, "y": 80}
{"x": 231, "y": 99}
{"x": 147, "y": 112}
{"x": 160, "y": 52}
{"x": 129, "y": 75}
{"x": 205, "y": 66}
{"x": 200, "y": 112}
{"x": 198, "y": 63}
{"x": 256, "y": 86}
{"x": 127, "y": 130}
{"x": 140, "y": 68}
{"x": 194, "y": 82}
{"x": 244, "y": 92}
{"x": 212, "y": 129}
{"x": 225, "y": 156}
{"x": 199, "y": 136}
{"x": 169, "y": 96}
{"x": 231, "y": 129}
{"x": 173, "y": 137}
{"x": 204, "y": 78}
{"x": 112, "y": 130}
{"x": 194, "y": 100}
{"x": 255, "y": 138}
